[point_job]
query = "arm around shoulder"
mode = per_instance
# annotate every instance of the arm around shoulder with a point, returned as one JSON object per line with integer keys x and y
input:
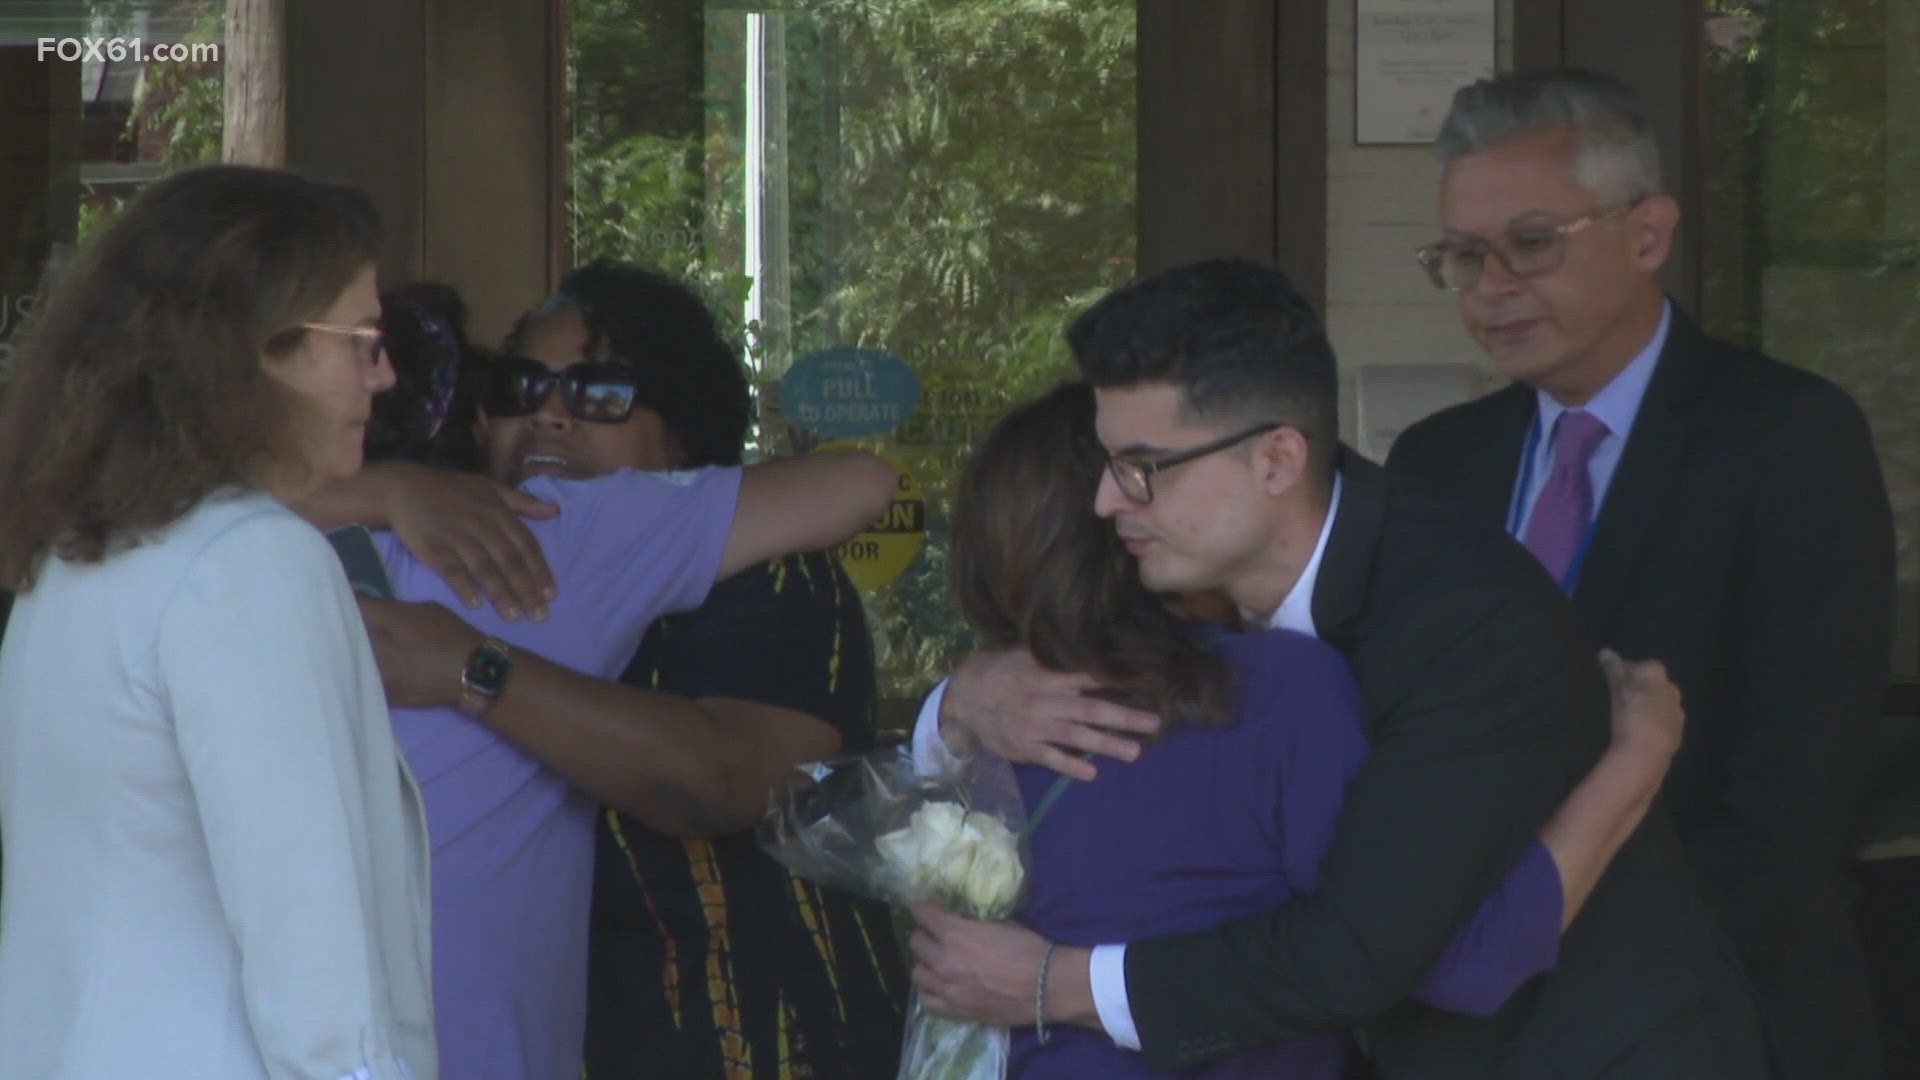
{"x": 806, "y": 503}
{"x": 1473, "y": 752}
{"x": 1515, "y": 933}
{"x": 685, "y": 768}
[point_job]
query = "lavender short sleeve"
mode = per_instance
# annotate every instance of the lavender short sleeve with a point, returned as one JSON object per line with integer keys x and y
{"x": 512, "y": 839}
{"x": 625, "y": 549}
{"x": 659, "y": 531}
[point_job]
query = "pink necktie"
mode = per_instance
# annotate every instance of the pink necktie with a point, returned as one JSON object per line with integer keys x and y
{"x": 1565, "y": 507}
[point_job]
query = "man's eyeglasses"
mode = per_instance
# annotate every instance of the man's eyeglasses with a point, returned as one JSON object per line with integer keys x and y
{"x": 374, "y": 338}
{"x": 1531, "y": 247}
{"x": 598, "y": 391}
{"x": 1136, "y": 477}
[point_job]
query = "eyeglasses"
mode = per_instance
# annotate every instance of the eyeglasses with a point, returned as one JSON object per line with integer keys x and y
{"x": 1530, "y": 248}
{"x": 374, "y": 337}
{"x": 597, "y": 391}
{"x": 1136, "y": 477}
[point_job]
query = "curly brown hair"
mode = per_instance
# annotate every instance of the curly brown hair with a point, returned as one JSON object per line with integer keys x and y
{"x": 1030, "y": 565}
{"x": 140, "y": 388}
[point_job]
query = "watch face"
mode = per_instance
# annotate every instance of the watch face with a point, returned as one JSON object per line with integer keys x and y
{"x": 487, "y": 671}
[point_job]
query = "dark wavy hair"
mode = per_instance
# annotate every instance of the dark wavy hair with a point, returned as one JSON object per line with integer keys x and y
{"x": 1031, "y": 565}
{"x": 140, "y": 389}
{"x": 428, "y": 414}
{"x": 687, "y": 370}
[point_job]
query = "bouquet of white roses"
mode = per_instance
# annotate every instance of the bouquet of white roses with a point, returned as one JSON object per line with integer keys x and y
{"x": 876, "y": 826}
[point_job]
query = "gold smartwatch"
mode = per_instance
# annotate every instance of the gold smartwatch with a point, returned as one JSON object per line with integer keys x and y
{"x": 485, "y": 677}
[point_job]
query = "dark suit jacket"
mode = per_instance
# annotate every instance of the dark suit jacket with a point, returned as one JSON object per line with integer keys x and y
{"x": 1745, "y": 540}
{"x": 1485, "y": 705}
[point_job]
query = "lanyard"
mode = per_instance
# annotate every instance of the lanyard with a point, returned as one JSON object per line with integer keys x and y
{"x": 1053, "y": 794}
{"x": 1517, "y": 509}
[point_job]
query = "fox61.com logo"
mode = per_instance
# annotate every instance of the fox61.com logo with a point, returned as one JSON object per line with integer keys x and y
{"x": 119, "y": 50}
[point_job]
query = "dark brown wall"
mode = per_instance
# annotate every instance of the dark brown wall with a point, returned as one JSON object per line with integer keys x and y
{"x": 354, "y": 88}
{"x": 39, "y": 144}
{"x": 1207, "y": 104}
{"x": 1233, "y": 120}
{"x": 448, "y": 112}
{"x": 494, "y": 136}
{"x": 1300, "y": 146}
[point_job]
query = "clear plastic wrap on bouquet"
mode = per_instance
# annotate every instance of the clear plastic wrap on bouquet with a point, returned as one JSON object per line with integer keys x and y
{"x": 875, "y": 825}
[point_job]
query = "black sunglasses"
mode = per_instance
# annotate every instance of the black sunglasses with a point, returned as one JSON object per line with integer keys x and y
{"x": 593, "y": 390}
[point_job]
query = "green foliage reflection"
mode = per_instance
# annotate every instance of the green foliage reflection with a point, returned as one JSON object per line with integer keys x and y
{"x": 948, "y": 180}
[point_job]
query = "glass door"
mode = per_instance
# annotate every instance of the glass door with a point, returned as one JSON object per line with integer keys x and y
{"x": 1811, "y": 206}
{"x": 1811, "y": 178}
{"x": 898, "y": 203}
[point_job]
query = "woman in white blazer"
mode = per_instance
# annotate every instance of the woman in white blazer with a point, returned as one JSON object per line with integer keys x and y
{"x": 216, "y": 860}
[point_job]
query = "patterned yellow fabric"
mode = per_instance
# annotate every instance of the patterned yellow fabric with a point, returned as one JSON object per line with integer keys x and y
{"x": 710, "y": 961}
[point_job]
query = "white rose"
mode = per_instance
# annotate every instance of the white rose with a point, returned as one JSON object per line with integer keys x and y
{"x": 993, "y": 879}
{"x": 912, "y": 854}
{"x": 971, "y": 860}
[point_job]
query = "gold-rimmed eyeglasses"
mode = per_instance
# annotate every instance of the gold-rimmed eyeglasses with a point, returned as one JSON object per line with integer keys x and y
{"x": 373, "y": 337}
{"x": 1531, "y": 247}
{"x": 1136, "y": 477}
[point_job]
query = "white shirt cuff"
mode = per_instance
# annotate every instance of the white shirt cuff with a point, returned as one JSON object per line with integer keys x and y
{"x": 1108, "y": 973}
{"x": 930, "y": 753}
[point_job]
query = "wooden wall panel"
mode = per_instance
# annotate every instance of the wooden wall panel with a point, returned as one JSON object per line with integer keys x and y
{"x": 495, "y": 130}
{"x": 1206, "y": 109}
{"x": 355, "y": 80}
{"x": 448, "y": 112}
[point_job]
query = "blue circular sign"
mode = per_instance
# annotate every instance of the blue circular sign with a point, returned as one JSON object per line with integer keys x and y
{"x": 849, "y": 393}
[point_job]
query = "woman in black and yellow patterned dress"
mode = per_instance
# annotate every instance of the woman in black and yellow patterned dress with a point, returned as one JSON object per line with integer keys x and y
{"x": 708, "y": 959}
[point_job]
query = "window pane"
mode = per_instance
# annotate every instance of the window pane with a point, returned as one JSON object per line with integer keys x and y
{"x": 943, "y": 181}
{"x": 98, "y": 97}
{"x": 1813, "y": 207}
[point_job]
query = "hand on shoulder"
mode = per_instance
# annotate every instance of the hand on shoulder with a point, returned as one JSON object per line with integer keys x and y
{"x": 1026, "y": 713}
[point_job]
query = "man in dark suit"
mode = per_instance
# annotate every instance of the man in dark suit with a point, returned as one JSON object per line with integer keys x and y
{"x": 1742, "y": 532}
{"x": 1484, "y": 704}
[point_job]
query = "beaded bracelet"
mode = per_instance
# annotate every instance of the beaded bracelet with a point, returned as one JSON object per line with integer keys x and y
{"x": 1040, "y": 995}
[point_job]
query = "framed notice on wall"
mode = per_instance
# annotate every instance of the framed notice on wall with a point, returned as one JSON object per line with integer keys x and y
{"x": 1409, "y": 58}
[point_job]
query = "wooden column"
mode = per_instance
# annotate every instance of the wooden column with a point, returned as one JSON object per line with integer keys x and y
{"x": 1300, "y": 140}
{"x": 1233, "y": 135}
{"x": 39, "y": 171}
{"x": 1206, "y": 114}
{"x": 493, "y": 222}
{"x": 356, "y": 86}
{"x": 255, "y": 131}
{"x": 448, "y": 112}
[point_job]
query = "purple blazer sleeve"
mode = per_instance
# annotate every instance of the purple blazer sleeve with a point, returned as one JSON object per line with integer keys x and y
{"x": 1514, "y": 936}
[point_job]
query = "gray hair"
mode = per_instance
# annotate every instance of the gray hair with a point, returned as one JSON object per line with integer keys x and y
{"x": 1615, "y": 155}
{"x": 550, "y": 305}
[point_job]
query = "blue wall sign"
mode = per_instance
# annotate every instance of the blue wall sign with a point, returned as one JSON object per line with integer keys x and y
{"x": 849, "y": 393}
